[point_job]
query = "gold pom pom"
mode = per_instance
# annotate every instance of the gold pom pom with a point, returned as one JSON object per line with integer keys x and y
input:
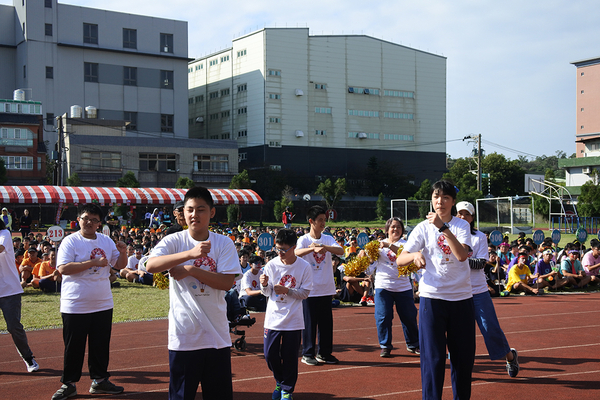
{"x": 406, "y": 270}
{"x": 372, "y": 251}
{"x": 161, "y": 280}
{"x": 356, "y": 266}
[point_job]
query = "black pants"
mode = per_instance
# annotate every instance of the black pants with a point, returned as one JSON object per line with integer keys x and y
{"x": 281, "y": 355}
{"x": 77, "y": 328}
{"x": 317, "y": 317}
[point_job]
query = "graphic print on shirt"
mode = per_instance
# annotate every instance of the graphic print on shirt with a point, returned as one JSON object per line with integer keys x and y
{"x": 96, "y": 252}
{"x": 289, "y": 282}
{"x": 391, "y": 256}
{"x": 443, "y": 252}
{"x": 318, "y": 259}
{"x": 207, "y": 264}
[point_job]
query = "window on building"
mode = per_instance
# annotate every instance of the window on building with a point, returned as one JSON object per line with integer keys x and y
{"x": 199, "y": 67}
{"x": 243, "y": 133}
{"x": 199, "y": 98}
{"x": 320, "y": 86}
{"x": 274, "y": 144}
{"x": 131, "y": 117}
{"x": 320, "y": 132}
{"x": 323, "y": 110}
{"x": 211, "y": 163}
{"x": 24, "y": 71}
{"x": 242, "y": 157}
{"x": 100, "y": 160}
{"x": 213, "y": 117}
{"x": 191, "y": 100}
{"x": 50, "y": 119}
{"x": 274, "y": 72}
{"x": 275, "y": 120}
{"x": 90, "y": 33}
{"x": 224, "y": 92}
{"x": 166, "y": 43}
{"x": 129, "y": 38}
{"x": 49, "y": 72}
{"x": 225, "y": 136}
{"x": 18, "y": 162}
{"x": 213, "y": 62}
{"x": 90, "y": 72}
{"x": 166, "y": 79}
{"x": 213, "y": 95}
{"x": 166, "y": 123}
{"x": 241, "y": 53}
{"x": 274, "y": 96}
{"x": 224, "y": 58}
{"x": 48, "y": 3}
{"x": 399, "y": 93}
{"x": 130, "y": 76}
{"x": 158, "y": 162}
{"x": 225, "y": 114}
{"x": 48, "y": 29}
{"x": 242, "y": 110}
{"x": 16, "y": 137}
{"x": 242, "y": 88}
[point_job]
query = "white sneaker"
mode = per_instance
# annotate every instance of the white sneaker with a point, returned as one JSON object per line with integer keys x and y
{"x": 33, "y": 366}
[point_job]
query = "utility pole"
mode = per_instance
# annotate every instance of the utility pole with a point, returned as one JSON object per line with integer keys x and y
{"x": 477, "y": 138}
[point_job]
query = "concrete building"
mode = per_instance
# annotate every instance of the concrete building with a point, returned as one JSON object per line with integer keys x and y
{"x": 23, "y": 153}
{"x": 129, "y": 67}
{"x": 587, "y": 133}
{"x": 322, "y": 105}
{"x": 100, "y": 153}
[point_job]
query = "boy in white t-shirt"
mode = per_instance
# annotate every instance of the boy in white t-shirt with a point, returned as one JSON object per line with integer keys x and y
{"x": 250, "y": 295}
{"x": 286, "y": 281}
{"x": 202, "y": 266}
{"x": 85, "y": 259}
{"x": 317, "y": 248}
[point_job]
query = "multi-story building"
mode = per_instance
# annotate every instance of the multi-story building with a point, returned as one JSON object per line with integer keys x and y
{"x": 587, "y": 134}
{"x": 130, "y": 67}
{"x": 322, "y": 105}
{"x": 24, "y": 155}
{"x": 100, "y": 153}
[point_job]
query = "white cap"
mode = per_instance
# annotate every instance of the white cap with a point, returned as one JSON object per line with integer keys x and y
{"x": 465, "y": 205}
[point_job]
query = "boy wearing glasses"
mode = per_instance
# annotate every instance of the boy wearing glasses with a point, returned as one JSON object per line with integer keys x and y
{"x": 202, "y": 266}
{"x": 84, "y": 259}
{"x": 286, "y": 281}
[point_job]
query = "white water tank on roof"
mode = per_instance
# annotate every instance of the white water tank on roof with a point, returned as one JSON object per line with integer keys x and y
{"x": 91, "y": 112}
{"x": 76, "y": 111}
{"x": 19, "y": 95}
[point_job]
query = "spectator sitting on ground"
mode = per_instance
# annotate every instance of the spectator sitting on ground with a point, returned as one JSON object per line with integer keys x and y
{"x": 19, "y": 255}
{"x": 571, "y": 268}
{"x": 591, "y": 261}
{"x": 519, "y": 276}
{"x": 494, "y": 274}
{"x": 133, "y": 273}
{"x": 27, "y": 267}
{"x": 504, "y": 255}
{"x": 46, "y": 276}
{"x": 250, "y": 294}
{"x": 546, "y": 273}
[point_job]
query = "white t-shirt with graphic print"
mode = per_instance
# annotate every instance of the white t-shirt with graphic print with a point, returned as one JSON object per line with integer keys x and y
{"x": 86, "y": 291}
{"x": 445, "y": 277}
{"x": 386, "y": 269}
{"x": 198, "y": 312}
{"x": 322, "y": 267}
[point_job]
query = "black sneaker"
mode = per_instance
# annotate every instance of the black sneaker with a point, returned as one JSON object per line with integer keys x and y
{"x": 66, "y": 390}
{"x": 385, "y": 353}
{"x": 512, "y": 367}
{"x": 308, "y": 360}
{"x": 414, "y": 350}
{"x": 327, "y": 359}
{"x": 105, "y": 386}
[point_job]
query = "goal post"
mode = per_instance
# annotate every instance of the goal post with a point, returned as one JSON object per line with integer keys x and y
{"x": 507, "y": 214}
{"x": 410, "y": 211}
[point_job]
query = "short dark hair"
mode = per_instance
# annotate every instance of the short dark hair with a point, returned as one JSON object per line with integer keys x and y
{"x": 389, "y": 222}
{"x": 243, "y": 252}
{"x": 90, "y": 208}
{"x": 256, "y": 260}
{"x": 594, "y": 243}
{"x": 314, "y": 212}
{"x": 199, "y": 192}
{"x": 287, "y": 236}
{"x": 444, "y": 187}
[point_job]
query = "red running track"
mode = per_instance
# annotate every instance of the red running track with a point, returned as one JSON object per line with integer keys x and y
{"x": 556, "y": 336}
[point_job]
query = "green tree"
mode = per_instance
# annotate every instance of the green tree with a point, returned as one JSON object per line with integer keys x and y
{"x": 286, "y": 201}
{"x": 332, "y": 192}
{"x": 128, "y": 180}
{"x": 233, "y": 213}
{"x": 240, "y": 181}
{"x": 589, "y": 200}
{"x": 424, "y": 193}
{"x": 381, "y": 208}
{"x": 74, "y": 180}
{"x": 50, "y": 168}
{"x": 184, "y": 183}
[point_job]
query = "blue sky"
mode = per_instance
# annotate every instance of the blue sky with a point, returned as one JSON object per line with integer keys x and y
{"x": 509, "y": 75}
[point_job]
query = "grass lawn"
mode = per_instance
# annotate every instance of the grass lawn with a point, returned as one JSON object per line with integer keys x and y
{"x": 133, "y": 302}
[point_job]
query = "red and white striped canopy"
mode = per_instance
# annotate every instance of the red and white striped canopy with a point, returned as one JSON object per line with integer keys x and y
{"x": 116, "y": 195}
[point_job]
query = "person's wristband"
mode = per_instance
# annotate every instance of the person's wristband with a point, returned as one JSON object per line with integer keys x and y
{"x": 443, "y": 228}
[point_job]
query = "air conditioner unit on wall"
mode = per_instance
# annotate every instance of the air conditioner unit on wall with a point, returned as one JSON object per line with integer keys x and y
{"x": 299, "y": 134}
{"x": 586, "y": 170}
{"x": 362, "y": 135}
